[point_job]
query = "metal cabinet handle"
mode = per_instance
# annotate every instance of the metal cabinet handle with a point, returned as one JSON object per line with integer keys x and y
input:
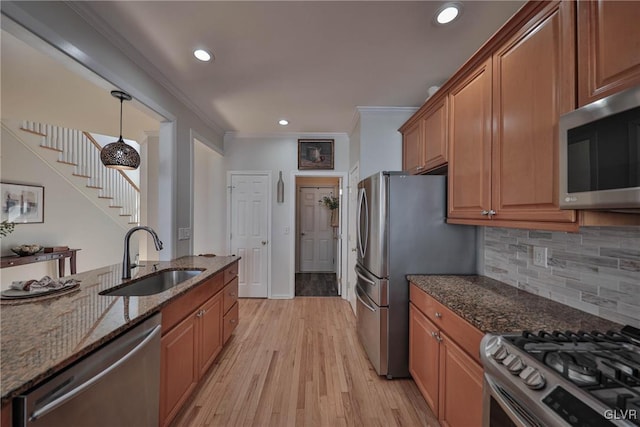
{"x": 492, "y": 212}
{"x": 438, "y": 315}
{"x": 199, "y": 314}
{"x": 418, "y": 168}
{"x": 484, "y": 212}
{"x": 433, "y": 334}
{"x": 264, "y": 242}
{"x": 438, "y": 338}
{"x": 68, "y": 396}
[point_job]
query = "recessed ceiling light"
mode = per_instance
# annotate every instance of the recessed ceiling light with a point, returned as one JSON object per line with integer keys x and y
{"x": 202, "y": 55}
{"x": 283, "y": 122}
{"x": 447, "y": 13}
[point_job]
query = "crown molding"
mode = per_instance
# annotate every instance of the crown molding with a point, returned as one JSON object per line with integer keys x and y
{"x": 140, "y": 60}
{"x": 273, "y": 135}
{"x": 361, "y": 110}
{"x": 410, "y": 110}
{"x": 355, "y": 119}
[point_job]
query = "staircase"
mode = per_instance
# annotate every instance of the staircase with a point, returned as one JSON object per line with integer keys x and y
{"x": 75, "y": 151}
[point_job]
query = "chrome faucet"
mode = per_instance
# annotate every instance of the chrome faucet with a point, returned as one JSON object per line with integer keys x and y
{"x": 126, "y": 261}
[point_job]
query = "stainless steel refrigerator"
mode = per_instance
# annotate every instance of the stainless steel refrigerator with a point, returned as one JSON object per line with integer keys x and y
{"x": 402, "y": 230}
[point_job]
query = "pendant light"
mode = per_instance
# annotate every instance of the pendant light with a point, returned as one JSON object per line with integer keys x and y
{"x": 119, "y": 154}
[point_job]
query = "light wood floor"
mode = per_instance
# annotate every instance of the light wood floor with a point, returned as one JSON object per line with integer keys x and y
{"x": 298, "y": 362}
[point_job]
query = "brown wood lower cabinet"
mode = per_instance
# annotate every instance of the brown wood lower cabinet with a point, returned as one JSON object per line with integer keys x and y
{"x": 444, "y": 361}
{"x": 195, "y": 328}
{"x": 460, "y": 386}
{"x": 179, "y": 372}
{"x": 209, "y": 332}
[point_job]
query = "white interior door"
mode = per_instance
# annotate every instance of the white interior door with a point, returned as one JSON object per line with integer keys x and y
{"x": 249, "y": 232}
{"x": 352, "y": 200}
{"x": 316, "y": 233}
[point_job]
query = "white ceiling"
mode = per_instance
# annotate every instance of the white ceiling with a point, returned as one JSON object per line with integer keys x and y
{"x": 312, "y": 62}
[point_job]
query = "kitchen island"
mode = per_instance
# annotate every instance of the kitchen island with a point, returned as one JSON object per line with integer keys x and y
{"x": 40, "y": 338}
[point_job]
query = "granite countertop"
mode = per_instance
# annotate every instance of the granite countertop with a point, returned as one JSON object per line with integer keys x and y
{"x": 495, "y": 307}
{"x": 40, "y": 338}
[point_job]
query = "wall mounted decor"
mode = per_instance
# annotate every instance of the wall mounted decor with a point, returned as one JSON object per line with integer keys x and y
{"x": 22, "y": 204}
{"x": 315, "y": 154}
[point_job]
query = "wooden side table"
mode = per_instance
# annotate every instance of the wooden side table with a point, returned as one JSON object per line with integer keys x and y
{"x": 14, "y": 260}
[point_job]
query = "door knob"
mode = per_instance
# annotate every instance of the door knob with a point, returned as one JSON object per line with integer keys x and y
{"x": 302, "y": 234}
{"x": 264, "y": 242}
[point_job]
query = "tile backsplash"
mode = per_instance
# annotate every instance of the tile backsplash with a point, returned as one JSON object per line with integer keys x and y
{"x": 596, "y": 270}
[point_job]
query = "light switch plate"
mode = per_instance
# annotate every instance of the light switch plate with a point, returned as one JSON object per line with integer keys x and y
{"x": 184, "y": 233}
{"x": 540, "y": 256}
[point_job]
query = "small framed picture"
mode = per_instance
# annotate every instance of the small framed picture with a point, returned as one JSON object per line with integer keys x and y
{"x": 315, "y": 154}
{"x": 22, "y": 204}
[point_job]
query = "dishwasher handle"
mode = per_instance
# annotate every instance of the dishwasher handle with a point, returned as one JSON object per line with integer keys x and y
{"x": 71, "y": 394}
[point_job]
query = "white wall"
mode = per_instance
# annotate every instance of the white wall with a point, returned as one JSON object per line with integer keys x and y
{"x": 209, "y": 201}
{"x": 70, "y": 219}
{"x": 60, "y": 25}
{"x": 247, "y": 152}
{"x": 380, "y": 141}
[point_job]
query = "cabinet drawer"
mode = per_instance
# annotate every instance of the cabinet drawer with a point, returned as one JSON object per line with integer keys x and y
{"x": 231, "y": 272}
{"x": 462, "y": 332}
{"x": 186, "y": 304}
{"x": 230, "y": 322}
{"x": 230, "y": 294}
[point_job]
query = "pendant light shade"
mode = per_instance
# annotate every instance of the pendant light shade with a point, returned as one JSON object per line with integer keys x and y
{"x": 119, "y": 154}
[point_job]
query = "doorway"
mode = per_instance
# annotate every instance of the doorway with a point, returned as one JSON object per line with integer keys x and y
{"x": 317, "y": 236}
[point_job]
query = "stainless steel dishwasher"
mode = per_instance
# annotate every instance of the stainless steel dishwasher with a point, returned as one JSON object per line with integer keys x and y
{"x": 116, "y": 385}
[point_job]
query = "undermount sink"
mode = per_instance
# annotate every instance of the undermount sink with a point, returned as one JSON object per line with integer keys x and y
{"x": 153, "y": 284}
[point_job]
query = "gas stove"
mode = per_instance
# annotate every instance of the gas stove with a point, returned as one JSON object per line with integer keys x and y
{"x": 562, "y": 378}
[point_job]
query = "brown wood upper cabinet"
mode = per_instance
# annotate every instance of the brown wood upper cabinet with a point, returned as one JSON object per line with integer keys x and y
{"x": 504, "y": 125}
{"x": 608, "y": 48}
{"x": 425, "y": 140}
{"x": 470, "y": 145}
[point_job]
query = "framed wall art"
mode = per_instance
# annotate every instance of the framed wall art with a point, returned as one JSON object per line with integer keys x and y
{"x": 315, "y": 154}
{"x": 22, "y": 204}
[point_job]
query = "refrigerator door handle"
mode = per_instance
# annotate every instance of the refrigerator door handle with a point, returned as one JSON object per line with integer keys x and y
{"x": 366, "y": 279}
{"x": 358, "y": 293}
{"x": 363, "y": 240}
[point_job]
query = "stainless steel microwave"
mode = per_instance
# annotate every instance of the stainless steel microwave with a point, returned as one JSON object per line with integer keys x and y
{"x": 600, "y": 154}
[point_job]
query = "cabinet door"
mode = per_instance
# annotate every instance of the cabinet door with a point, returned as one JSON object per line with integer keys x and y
{"x": 435, "y": 135}
{"x": 230, "y": 322}
{"x": 470, "y": 145}
{"x": 209, "y": 332}
{"x": 412, "y": 157}
{"x": 533, "y": 84}
{"x": 230, "y": 295}
{"x": 423, "y": 356}
{"x": 460, "y": 387}
{"x": 179, "y": 373}
{"x": 608, "y": 48}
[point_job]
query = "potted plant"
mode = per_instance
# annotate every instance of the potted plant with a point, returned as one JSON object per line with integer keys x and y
{"x": 331, "y": 202}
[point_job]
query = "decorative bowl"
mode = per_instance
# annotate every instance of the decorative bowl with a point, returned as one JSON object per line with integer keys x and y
{"x": 25, "y": 250}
